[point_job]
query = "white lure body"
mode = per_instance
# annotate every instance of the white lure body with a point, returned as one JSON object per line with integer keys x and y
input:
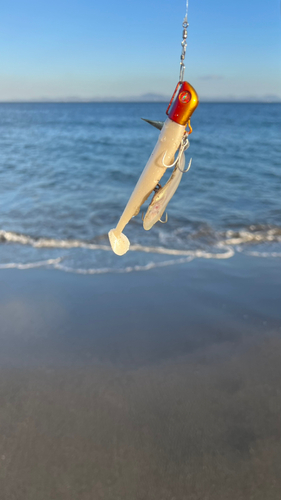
{"x": 162, "y": 156}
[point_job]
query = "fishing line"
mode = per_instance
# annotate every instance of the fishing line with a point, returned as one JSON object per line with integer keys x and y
{"x": 185, "y": 25}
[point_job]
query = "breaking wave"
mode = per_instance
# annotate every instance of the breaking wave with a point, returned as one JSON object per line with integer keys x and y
{"x": 222, "y": 245}
{"x": 31, "y": 265}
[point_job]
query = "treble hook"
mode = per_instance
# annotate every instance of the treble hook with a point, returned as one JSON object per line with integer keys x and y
{"x": 183, "y": 147}
{"x": 187, "y": 169}
{"x": 164, "y": 221}
{"x": 169, "y": 166}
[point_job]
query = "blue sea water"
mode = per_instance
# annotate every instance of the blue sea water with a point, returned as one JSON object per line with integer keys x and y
{"x": 67, "y": 171}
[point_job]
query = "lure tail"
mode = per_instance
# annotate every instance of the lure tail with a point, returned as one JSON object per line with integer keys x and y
{"x": 119, "y": 242}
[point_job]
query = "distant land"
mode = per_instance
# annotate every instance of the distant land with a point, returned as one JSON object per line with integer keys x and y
{"x": 151, "y": 97}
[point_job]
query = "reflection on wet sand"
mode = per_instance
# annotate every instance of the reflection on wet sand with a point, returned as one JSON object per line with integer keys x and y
{"x": 103, "y": 399}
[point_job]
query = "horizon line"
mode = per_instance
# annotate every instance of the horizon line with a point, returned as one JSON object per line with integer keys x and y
{"x": 245, "y": 100}
{"x": 145, "y": 98}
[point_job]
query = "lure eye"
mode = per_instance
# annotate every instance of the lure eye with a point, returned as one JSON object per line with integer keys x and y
{"x": 185, "y": 97}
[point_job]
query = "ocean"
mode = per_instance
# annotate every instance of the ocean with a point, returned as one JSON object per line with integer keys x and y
{"x": 67, "y": 171}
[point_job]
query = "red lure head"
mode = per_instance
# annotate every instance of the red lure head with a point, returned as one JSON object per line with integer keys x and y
{"x": 184, "y": 101}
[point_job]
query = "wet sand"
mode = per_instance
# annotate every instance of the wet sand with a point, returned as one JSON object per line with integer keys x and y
{"x": 158, "y": 385}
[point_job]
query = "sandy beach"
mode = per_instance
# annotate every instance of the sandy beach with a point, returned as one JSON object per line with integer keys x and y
{"x": 152, "y": 385}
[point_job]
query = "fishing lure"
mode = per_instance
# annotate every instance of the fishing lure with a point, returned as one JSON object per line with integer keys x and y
{"x": 180, "y": 109}
{"x": 172, "y": 138}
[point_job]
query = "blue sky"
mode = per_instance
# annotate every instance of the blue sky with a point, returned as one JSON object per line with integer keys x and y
{"x": 62, "y": 49}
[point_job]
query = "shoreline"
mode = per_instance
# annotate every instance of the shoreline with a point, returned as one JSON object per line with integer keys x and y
{"x": 167, "y": 310}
